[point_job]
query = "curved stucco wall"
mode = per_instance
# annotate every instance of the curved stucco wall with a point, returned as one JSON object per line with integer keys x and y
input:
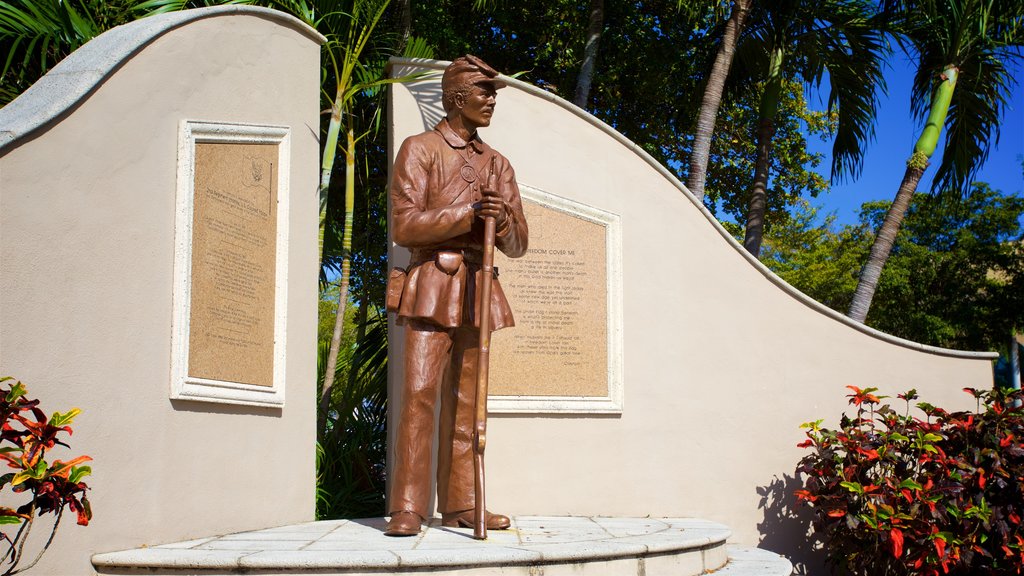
{"x": 722, "y": 360}
{"x": 88, "y": 164}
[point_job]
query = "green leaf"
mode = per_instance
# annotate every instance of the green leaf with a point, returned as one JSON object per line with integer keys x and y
{"x": 17, "y": 391}
{"x": 79, "y": 472}
{"x": 908, "y": 483}
{"x": 58, "y": 420}
{"x": 853, "y": 487}
{"x": 10, "y": 520}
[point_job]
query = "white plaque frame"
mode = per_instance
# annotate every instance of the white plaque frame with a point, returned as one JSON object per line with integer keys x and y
{"x": 612, "y": 403}
{"x": 183, "y": 386}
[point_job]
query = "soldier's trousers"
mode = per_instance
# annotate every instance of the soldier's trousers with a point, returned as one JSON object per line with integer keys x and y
{"x": 438, "y": 361}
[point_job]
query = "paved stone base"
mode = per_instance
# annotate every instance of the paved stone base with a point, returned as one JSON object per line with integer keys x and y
{"x": 745, "y": 561}
{"x": 535, "y": 546}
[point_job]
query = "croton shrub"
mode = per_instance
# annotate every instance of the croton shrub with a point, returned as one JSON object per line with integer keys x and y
{"x": 26, "y": 435}
{"x": 922, "y": 492}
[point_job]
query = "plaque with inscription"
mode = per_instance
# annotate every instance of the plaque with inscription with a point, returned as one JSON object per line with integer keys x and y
{"x": 557, "y": 357}
{"x": 230, "y": 264}
{"x": 233, "y": 256}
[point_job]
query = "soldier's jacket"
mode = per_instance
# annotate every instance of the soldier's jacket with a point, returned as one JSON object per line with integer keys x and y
{"x": 435, "y": 182}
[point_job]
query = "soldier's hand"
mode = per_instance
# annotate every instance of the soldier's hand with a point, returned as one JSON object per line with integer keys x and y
{"x": 491, "y": 204}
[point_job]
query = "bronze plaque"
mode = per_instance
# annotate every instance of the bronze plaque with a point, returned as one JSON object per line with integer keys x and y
{"x": 559, "y": 297}
{"x": 234, "y": 244}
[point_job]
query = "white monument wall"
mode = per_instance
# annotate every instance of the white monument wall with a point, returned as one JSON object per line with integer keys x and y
{"x": 721, "y": 360}
{"x": 88, "y": 173}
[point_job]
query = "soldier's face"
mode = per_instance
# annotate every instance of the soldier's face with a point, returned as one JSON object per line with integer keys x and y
{"x": 478, "y": 106}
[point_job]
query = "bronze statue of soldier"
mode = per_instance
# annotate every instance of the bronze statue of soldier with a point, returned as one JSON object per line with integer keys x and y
{"x": 445, "y": 183}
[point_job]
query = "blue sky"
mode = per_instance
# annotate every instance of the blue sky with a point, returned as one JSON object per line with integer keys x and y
{"x": 895, "y": 134}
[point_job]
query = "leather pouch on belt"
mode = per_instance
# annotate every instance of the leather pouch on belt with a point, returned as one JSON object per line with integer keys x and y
{"x": 396, "y": 284}
{"x": 449, "y": 262}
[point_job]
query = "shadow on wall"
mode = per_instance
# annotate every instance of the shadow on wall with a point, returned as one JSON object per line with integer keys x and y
{"x": 786, "y": 526}
{"x": 428, "y": 94}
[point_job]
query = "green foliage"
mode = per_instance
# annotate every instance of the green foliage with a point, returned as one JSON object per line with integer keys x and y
{"x": 895, "y": 494}
{"x": 351, "y": 459}
{"x": 956, "y": 274}
{"x": 954, "y": 279}
{"x": 734, "y": 153}
{"x": 653, "y": 60}
{"x": 328, "y": 309}
{"x": 26, "y": 435}
{"x": 822, "y": 261}
{"x": 842, "y": 40}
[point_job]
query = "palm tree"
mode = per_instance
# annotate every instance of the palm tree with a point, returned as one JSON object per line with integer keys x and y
{"x": 356, "y": 56}
{"x": 712, "y": 98}
{"x": 807, "y": 39}
{"x": 586, "y": 75}
{"x": 962, "y": 48}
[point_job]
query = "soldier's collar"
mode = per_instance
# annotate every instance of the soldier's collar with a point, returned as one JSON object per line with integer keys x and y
{"x": 456, "y": 141}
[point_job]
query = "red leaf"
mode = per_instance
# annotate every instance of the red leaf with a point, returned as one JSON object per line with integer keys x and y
{"x": 805, "y": 444}
{"x": 940, "y": 547}
{"x": 805, "y": 495}
{"x": 896, "y": 538}
{"x": 981, "y": 478}
{"x": 870, "y": 454}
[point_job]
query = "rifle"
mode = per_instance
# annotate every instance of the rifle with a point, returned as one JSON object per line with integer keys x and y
{"x": 483, "y": 362}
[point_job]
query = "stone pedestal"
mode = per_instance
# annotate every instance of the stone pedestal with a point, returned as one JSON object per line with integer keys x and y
{"x": 548, "y": 545}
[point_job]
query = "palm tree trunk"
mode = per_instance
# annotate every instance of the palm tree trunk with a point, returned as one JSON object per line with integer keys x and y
{"x": 346, "y": 267}
{"x": 765, "y": 132}
{"x": 361, "y": 316}
{"x": 923, "y": 150}
{"x": 883, "y": 244}
{"x": 713, "y": 97}
{"x": 327, "y": 163}
{"x": 352, "y": 393}
{"x": 404, "y": 8}
{"x": 586, "y": 74}
{"x": 758, "y": 206}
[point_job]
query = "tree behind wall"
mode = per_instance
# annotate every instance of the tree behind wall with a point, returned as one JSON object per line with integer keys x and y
{"x": 955, "y": 278}
{"x": 808, "y": 41}
{"x": 965, "y": 50}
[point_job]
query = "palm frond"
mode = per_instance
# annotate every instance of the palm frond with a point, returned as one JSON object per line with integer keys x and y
{"x": 854, "y": 52}
{"x": 973, "y": 121}
{"x": 979, "y": 38}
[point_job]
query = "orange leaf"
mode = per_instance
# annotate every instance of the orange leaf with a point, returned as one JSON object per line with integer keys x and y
{"x": 896, "y": 538}
{"x": 63, "y": 469}
{"x": 870, "y": 454}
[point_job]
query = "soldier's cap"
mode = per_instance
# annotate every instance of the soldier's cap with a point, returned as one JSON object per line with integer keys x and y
{"x": 469, "y": 69}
